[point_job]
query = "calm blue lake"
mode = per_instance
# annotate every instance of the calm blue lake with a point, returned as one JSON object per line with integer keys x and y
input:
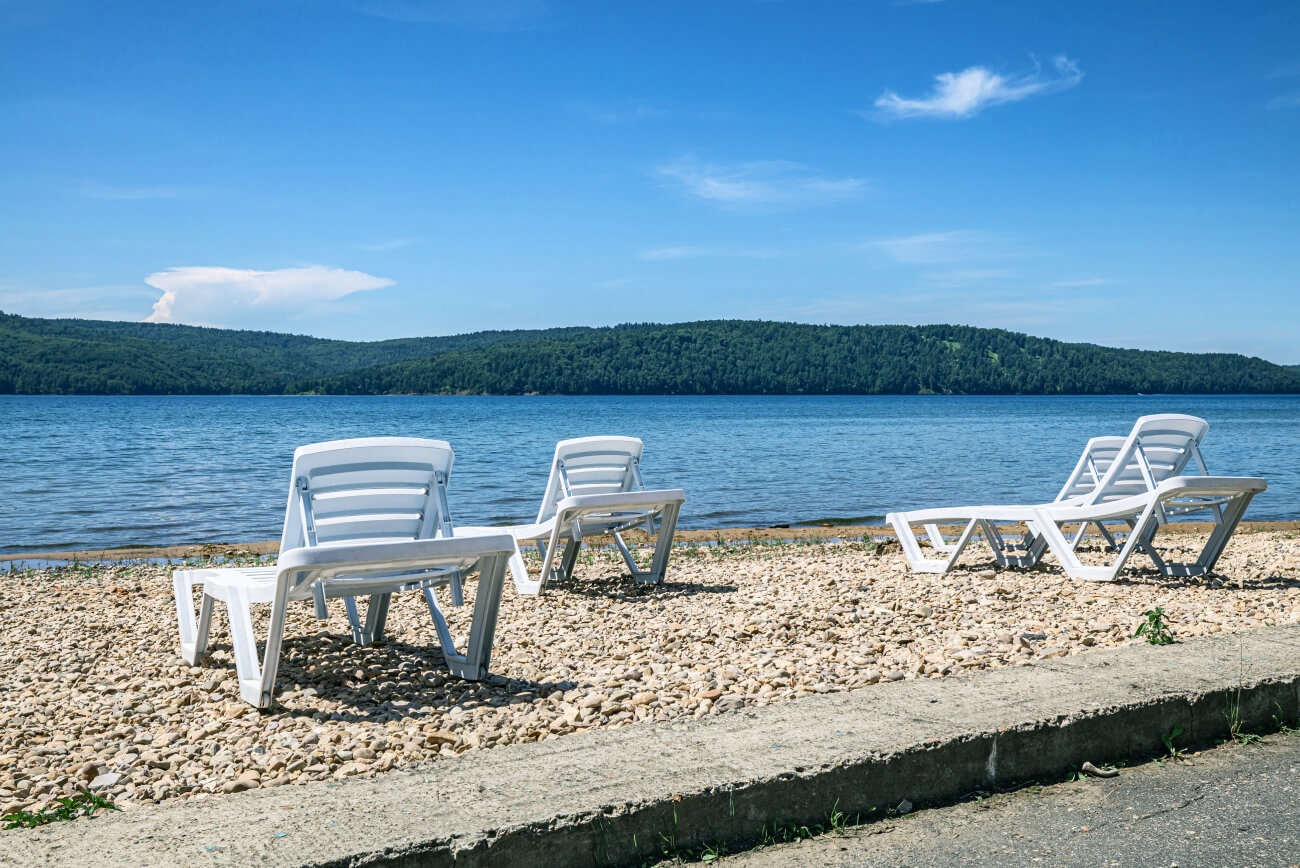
{"x": 87, "y": 472}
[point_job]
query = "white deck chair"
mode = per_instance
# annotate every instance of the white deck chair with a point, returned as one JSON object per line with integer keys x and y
{"x": 325, "y": 507}
{"x": 1142, "y": 487}
{"x": 361, "y": 519}
{"x": 595, "y": 487}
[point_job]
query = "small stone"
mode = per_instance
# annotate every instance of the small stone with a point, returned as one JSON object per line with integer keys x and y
{"x": 105, "y": 781}
{"x": 441, "y": 736}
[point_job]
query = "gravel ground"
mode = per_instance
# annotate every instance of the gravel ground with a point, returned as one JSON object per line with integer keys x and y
{"x": 94, "y": 694}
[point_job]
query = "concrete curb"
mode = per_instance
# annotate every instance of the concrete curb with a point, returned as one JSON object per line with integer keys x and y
{"x": 619, "y": 796}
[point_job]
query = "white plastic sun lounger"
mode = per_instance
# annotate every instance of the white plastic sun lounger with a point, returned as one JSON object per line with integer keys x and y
{"x": 361, "y": 519}
{"x": 1143, "y": 485}
{"x": 594, "y": 488}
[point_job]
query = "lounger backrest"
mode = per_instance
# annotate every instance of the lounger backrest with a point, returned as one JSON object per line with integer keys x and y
{"x": 1096, "y": 459}
{"x": 592, "y": 465}
{"x": 1158, "y": 448}
{"x": 368, "y": 489}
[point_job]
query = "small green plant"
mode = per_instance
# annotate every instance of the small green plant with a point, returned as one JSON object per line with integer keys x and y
{"x": 1155, "y": 629}
{"x": 83, "y": 804}
{"x": 1233, "y": 711}
{"x": 1174, "y": 752}
{"x": 712, "y": 853}
{"x": 1279, "y": 721}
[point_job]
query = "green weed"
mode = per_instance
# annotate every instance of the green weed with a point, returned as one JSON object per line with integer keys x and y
{"x": 83, "y": 804}
{"x": 1155, "y": 629}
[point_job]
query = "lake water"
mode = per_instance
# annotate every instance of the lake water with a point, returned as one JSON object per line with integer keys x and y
{"x": 92, "y": 472}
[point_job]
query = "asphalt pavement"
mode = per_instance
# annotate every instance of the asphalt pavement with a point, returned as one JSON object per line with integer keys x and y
{"x": 1234, "y": 805}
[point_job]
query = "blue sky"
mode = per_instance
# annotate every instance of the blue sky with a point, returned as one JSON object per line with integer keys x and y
{"x": 1119, "y": 173}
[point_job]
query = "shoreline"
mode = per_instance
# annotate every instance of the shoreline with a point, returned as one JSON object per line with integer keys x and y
{"x": 775, "y": 533}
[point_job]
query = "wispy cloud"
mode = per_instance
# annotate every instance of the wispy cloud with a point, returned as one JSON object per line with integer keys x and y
{"x": 1285, "y": 101}
{"x": 761, "y": 184}
{"x": 1079, "y": 283}
{"x": 632, "y": 111}
{"x": 967, "y": 93}
{"x": 111, "y": 301}
{"x": 390, "y": 244}
{"x": 1286, "y": 70}
{"x": 205, "y": 295}
{"x": 936, "y": 247}
{"x": 468, "y": 14}
{"x": 721, "y": 251}
{"x": 93, "y": 190}
{"x": 966, "y": 276}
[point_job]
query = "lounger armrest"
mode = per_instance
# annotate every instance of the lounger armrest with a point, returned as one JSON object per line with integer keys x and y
{"x": 1210, "y": 486}
{"x": 320, "y": 562}
{"x": 622, "y": 501}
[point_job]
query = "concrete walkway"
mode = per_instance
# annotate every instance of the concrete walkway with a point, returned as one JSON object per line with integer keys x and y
{"x": 616, "y": 796}
{"x": 1232, "y": 805}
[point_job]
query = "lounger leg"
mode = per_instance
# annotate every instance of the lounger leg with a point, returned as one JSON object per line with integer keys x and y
{"x": 912, "y": 549}
{"x": 1060, "y": 546}
{"x": 473, "y": 664}
{"x": 937, "y": 542}
{"x": 1223, "y": 530}
{"x": 1031, "y": 544}
{"x": 194, "y": 640}
{"x": 274, "y": 639}
{"x": 376, "y": 617}
{"x": 627, "y": 555}
{"x": 244, "y": 642}
{"x": 457, "y": 589}
{"x": 354, "y": 620}
{"x": 570, "y": 558}
{"x": 548, "y": 571}
{"x": 1147, "y": 546}
{"x": 525, "y": 584}
{"x": 664, "y": 543}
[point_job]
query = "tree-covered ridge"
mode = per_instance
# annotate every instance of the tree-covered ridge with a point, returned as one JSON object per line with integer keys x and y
{"x": 96, "y": 357}
{"x": 40, "y": 356}
{"x": 738, "y": 357}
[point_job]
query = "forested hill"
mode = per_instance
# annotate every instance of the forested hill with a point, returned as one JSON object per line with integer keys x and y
{"x": 42, "y": 356}
{"x": 97, "y": 357}
{"x": 737, "y": 357}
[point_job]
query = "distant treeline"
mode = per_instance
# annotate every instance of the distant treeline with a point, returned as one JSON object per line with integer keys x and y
{"x": 96, "y": 357}
{"x": 41, "y": 356}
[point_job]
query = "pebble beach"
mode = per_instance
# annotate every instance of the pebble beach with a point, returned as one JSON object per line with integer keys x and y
{"x": 94, "y": 694}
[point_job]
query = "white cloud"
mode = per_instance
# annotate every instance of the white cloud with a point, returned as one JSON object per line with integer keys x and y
{"x": 761, "y": 184}
{"x": 966, "y": 93}
{"x": 1287, "y": 100}
{"x": 203, "y": 295}
{"x": 934, "y": 247}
